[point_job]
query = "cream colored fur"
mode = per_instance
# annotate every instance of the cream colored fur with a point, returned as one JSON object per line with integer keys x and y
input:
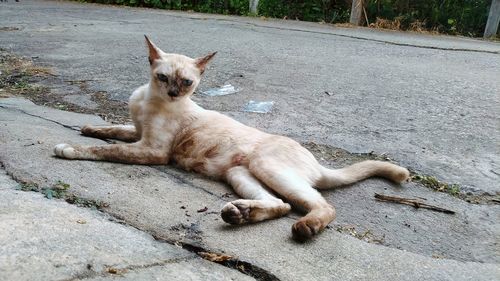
{"x": 261, "y": 167}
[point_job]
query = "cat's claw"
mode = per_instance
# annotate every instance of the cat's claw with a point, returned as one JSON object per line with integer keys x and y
{"x": 64, "y": 150}
{"x": 235, "y": 213}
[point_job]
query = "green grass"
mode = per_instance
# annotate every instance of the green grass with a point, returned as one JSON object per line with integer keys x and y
{"x": 59, "y": 190}
{"x": 433, "y": 183}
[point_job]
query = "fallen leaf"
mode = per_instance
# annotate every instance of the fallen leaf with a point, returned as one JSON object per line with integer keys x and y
{"x": 113, "y": 270}
{"x": 215, "y": 257}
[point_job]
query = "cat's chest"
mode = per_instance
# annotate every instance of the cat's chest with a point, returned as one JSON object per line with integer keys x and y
{"x": 159, "y": 129}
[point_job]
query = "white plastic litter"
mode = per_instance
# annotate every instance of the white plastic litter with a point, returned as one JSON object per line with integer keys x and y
{"x": 222, "y": 91}
{"x": 258, "y": 106}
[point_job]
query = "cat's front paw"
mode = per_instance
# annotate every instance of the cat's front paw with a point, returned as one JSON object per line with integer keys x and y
{"x": 87, "y": 130}
{"x": 235, "y": 213}
{"x": 65, "y": 150}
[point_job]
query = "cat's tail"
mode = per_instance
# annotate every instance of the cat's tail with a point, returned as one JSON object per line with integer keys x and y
{"x": 338, "y": 177}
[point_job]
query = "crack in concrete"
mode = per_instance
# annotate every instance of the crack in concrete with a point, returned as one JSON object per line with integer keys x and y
{"x": 380, "y": 41}
{"x": 242, "y": 266}
{"x": 71, "y": 127}
{"x": 74, "y": 128}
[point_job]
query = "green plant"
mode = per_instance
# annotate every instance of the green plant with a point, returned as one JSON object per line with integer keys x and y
{"x": 27, "y": 187}
{"x": 57, "y": 190}
{"x": 466, "y": 17}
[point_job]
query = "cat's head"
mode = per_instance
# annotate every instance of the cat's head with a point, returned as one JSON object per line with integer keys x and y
{"x": 174, "y": 76}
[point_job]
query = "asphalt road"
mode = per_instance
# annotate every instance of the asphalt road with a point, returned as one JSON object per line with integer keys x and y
{"x": 432, "y": 109}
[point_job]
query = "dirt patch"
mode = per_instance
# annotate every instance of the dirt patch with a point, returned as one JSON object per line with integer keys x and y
{"x": 365, "y": 234}
{"x": 21, "y": 77}
{"x": 17, "y": 76}
{"x": 190, "y": 232}
{"x": 338, "y": 157}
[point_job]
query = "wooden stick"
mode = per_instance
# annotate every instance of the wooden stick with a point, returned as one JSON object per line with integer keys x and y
{"x": 411, "y": 202}
{"x": 366, "y": 17}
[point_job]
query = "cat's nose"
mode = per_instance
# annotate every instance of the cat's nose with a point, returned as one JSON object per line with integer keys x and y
{"x": 173, "y": 93}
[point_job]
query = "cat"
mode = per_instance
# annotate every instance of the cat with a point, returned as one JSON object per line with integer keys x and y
{"x": 262, "y": 168}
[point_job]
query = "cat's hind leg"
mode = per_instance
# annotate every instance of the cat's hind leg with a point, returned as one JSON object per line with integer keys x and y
{"x": 127, "y": 133}
{"x": 296, "y": 189}
{"x": 258, "y": 204}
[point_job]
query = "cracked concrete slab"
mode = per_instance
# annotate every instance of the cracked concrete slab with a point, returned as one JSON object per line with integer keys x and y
{"x": 46, "y": 239}
{"x": 407, "y": 95}
{"x": 164, "y": 202}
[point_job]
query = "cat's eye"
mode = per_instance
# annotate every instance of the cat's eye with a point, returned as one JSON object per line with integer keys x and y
{"x": 187, "y": 82}
{"x": 162, "y": 77}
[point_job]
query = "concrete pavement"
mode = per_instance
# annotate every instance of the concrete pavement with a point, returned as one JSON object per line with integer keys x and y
{"x": 52, "y": 240}
{"x": 165, "y": 202}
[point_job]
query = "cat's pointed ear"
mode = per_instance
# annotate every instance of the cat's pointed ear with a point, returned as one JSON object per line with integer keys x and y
{"x": 154, "y": 52}
{"x": 202, "y": 62}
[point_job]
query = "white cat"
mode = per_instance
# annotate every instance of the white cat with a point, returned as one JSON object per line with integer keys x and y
{"x": 259, "y": 166}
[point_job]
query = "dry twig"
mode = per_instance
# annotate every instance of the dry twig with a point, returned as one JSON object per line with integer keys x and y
{"x": 411, "y": 202}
